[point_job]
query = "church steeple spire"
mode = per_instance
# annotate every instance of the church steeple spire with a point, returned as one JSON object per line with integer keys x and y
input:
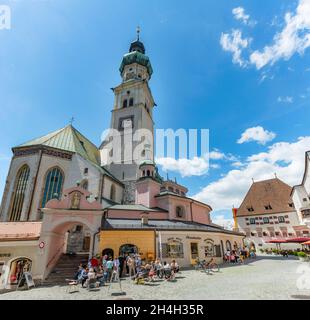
{"x": 137, "y": 45}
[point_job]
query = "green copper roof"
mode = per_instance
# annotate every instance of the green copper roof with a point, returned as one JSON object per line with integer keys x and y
{"x": 136, "y": 57}
{"x": 147, "y": 162}
{"x": 68, "y": 139}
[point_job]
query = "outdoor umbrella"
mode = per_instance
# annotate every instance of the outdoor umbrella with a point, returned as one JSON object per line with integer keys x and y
{"x": 307, "y": 243}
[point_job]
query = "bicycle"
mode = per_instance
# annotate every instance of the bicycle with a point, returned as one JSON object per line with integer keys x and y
{"x": 212, "y": 266}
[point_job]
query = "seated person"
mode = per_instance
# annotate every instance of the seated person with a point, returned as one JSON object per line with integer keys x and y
{"x": 174, "y": 266}
{"x": 83, "y": 275}
{"x": 101, "y": 276}
{"x": 90, "y": 276}
{"x": 142, "y": 274}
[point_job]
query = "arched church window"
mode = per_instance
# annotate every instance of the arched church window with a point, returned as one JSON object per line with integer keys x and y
{"x": 53, "y": 185}
{"x": 180, "y": 212}
{"x": 112, "y": 192}
{"x": 19, "y": 193}
{"x": 228, "y": 245}
{"x": 148, "y": 172}
{"x": 125, "y": 102}
{"x": 84, "y": 185}
{"x": 130, "y": 102}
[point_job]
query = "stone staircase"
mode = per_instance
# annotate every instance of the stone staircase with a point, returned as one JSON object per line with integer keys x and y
{"x": 65, "y": 268}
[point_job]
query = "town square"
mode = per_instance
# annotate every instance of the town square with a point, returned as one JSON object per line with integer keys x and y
{"x": 143, "y": 160}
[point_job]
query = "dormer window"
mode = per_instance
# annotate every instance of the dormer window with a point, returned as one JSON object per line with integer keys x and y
{"x": 250, "y": 209}
{"x": 291, "y": 205}
{"x": 268, "y": 207}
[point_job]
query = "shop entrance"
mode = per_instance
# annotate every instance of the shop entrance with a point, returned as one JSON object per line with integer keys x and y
{"x": 194, "y": 252}
{"x": 128, "y": 249}
{"x": 108, "y": 252}
{"x": 17, "y": 269}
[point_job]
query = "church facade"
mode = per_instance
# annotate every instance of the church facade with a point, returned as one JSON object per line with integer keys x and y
{"x": 62, "y": 195}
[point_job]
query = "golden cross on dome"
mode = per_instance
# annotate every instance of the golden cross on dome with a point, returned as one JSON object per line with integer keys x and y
{"x": 138, "y": 33}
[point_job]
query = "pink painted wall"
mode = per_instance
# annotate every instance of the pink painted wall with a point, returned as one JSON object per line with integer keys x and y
{"x": 146, "y": 191}
{"x": 199, "y": 213}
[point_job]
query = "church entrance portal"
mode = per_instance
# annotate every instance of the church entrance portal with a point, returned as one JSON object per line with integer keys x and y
{"x": 128, "y": 249}
{"x": 109, "y": 252}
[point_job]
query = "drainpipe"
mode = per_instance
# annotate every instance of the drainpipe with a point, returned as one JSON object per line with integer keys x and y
{"x": 94, "y": 238}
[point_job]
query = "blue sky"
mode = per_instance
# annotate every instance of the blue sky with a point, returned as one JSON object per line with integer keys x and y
{"x": 233, "y": 67}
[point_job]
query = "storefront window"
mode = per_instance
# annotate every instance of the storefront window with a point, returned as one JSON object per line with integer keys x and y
{"x": 173, "y": 250}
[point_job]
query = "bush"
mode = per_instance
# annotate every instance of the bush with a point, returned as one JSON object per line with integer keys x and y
{"x": 301, "y": 254}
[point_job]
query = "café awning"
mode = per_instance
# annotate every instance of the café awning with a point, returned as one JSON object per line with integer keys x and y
{"x": 298, "y": 240}
{"x": 277, "y": 241}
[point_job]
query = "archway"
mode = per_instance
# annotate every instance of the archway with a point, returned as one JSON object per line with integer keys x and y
{"x": 228, "y": 245}
{"x": 128, "y": 249}
{"x": 17, "y": 268}
{"x": 109, "y": 252}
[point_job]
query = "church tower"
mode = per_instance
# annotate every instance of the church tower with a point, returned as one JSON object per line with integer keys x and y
{"x": 132, "y": 120}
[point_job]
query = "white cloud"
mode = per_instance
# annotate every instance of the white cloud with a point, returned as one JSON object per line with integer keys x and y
{"x": 186, "y": 167}
{"x": 286, "y": 99}
{"x": 237, "y": 164}
{"x": 197, "y": 166}
{"x": 233, "y": 42}
{"x": 286, "y": 159}
{"x": 258, "y": 134}
{"x": 239, "y": 14}
{"x": 216, "y": 155}
{"x": 295, "y": 37}
{"x": 223, "y": 222}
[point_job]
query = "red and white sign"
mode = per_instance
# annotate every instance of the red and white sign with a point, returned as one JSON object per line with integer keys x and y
{"x": 42, "y": 245}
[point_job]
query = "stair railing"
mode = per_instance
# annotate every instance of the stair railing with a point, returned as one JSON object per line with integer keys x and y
{"x": 56, "y": 254}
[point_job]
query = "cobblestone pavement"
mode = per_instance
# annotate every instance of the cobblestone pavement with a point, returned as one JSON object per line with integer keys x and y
{"x": 267, "y": 277}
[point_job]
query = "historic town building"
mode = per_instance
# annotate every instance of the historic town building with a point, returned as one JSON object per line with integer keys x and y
{"x": 61, "y": 196}
{"x": 268, "y": 213}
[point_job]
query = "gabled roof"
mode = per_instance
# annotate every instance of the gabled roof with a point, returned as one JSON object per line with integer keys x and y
{"x": 67, "y": 139}
{"x": 273, "y": 192}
